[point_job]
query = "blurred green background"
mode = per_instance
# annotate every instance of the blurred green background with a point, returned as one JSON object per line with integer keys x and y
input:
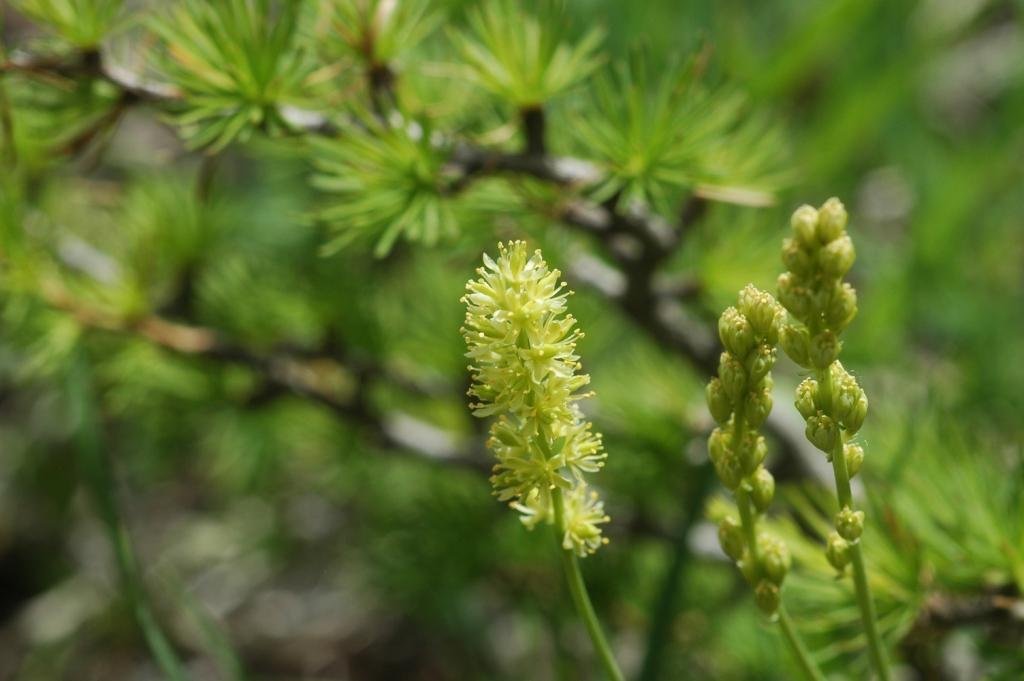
{"x": 282, "y": 535}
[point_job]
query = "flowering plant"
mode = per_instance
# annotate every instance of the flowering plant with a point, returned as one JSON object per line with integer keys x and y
{"x": 522, "y": 345}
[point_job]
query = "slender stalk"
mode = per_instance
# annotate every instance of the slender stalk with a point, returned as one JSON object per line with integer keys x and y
{"x": 99, "y": 479}
{"x": 796, "y": 644}
{"x": 866, "y": 605}
{"x": 580, "y": 598}
{"x": 867, "y": 612}
{"x": 668, "y": 597}
{"x": 749, "y": 525}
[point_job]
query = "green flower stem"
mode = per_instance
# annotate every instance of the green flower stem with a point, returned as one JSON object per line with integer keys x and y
{"x": 748, "y": 522}
{"x": 742, "y": 496}
{"x": 867, "y": 613}
{"x": 580, "y": 598}
{"x": 860, "y": 577}
{"x": 865, "y": 603}
{"x": 796, "y": 644}
{"x": 98, "y": 477}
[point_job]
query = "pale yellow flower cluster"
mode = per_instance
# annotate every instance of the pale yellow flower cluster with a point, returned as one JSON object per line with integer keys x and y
{"x": 522, "y": 346}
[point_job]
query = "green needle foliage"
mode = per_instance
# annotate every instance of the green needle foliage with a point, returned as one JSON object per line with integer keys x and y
{"x": 386, "y": 182}
{"x": 957, "y": 521}
{"x": 523, "y": 59}
{"x": 377, "y": 32}
{"x": 658, "y": 135}
{"x": 83, "y": 23}
{"x": 56, "y": 116}
{"x": 236, "y": 62}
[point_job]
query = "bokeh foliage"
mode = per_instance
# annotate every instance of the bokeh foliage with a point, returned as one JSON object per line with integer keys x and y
{"x": 233, "y": 236}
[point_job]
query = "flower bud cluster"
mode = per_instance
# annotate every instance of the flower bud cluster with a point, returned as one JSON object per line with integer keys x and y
{"x": 835, "y": 414}
{"x": 821, "y": 305}
{"x": 817, "y": 255}
{"x": 740, "y": 397}
{"x": 849, "y": 527}
{"x": 739, "y": 400}
{"x": 522, "y": 347}
{"x": 837, "y": 550}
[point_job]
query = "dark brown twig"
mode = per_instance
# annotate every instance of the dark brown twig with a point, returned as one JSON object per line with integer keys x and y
{"x": 313, "y": 378}
{"x": 636, "y": 240}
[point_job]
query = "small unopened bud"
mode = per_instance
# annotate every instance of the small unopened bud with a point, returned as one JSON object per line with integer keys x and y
{"x": 831, "y": 220}
{"x": 748, "y": 568}
{"x": 796, "y": 258}
{"x": 794, "y": 296}
{"x": 807, "y": 398}
{"x": 718, "y": 402}
{"x": 854, "y": 418}
{"x": 736, "y": 333}
{"x": 805, "y": 224}
{"x": 733, "y": 376}
{"x": 758, "y": 406}
{"x": 851, "y": 404}
{"x": 762, "y": 488}
{"x": 854, "y": 455}
{"x": 761, "y": 310}
{"x": 795, "y": 342}
{"x": 821, "y": 296}
{"x": 837, "y": 550}
{"x": 724, "y": 459}
{"x": 850, "y": 524}
{"x": 837, "y": 257}
{"x": 753, "y": 450}
{"x": 824, "y": 348}
{"x": 839, "y": 373}
{"x": 760, "y": 451}
{"x": 822, "y": 432}
{"x": 847, "y": 391}
{"x": 730, "y": 536}
{"x": 774, "y": 555}
{"x": 728, "y": 469}
{"x": 759, "y": 362}
{"x": 842, "y": 308}
{"x": 767, "y": 597}
{"x": 717, "y": 445}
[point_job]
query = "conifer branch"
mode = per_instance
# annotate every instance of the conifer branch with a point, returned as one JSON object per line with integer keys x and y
{"x": 89, "y": 64}
{"x": 944, "y": 612}
{"x": 637, "y": 240}
{"x": 285, "y": 371}
{"x": 299, "y": 371}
